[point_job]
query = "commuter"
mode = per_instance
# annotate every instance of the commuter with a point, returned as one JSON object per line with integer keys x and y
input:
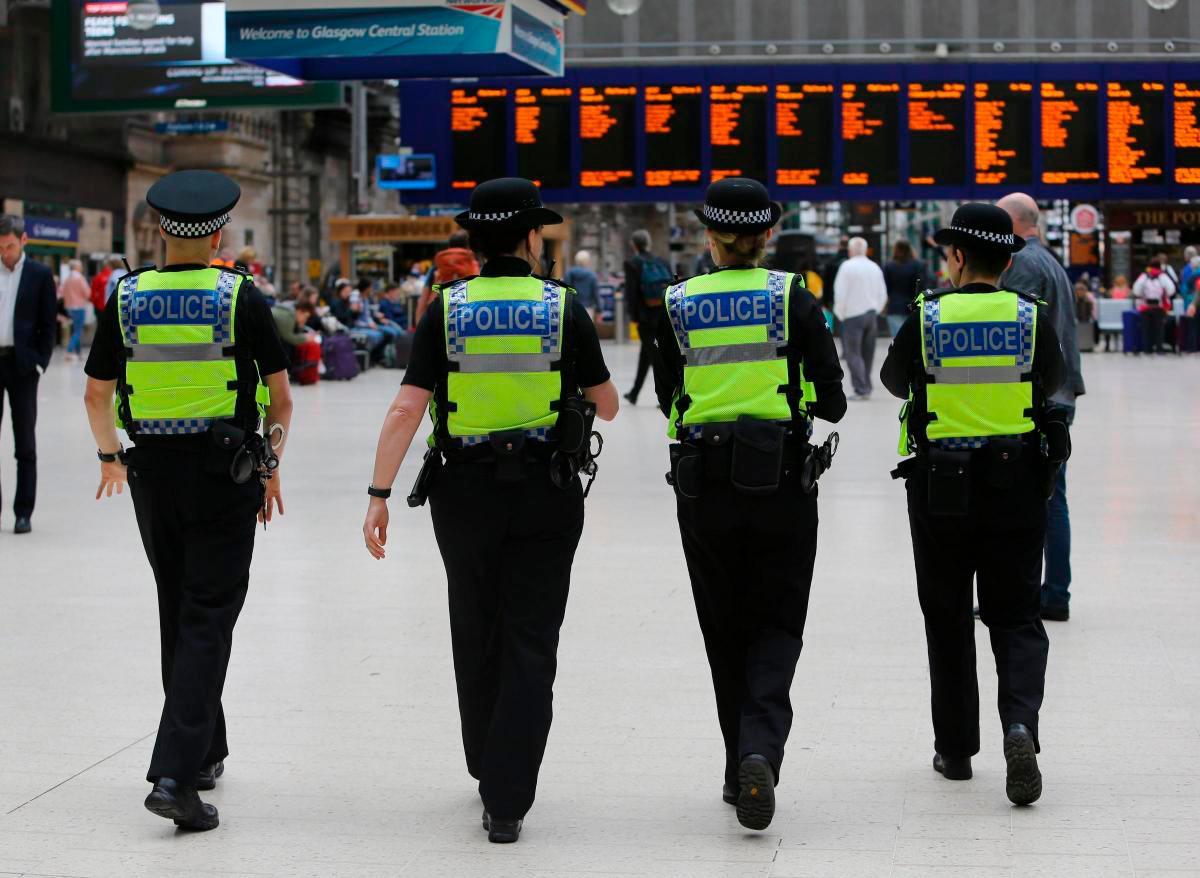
{"x": 1086, "y": 307}
{"x": 582, "y": 279}
{"x": 859, "y": 294}
{"x": 1189, "y": 281}
{"x": 1164, "y": 264}
{"x": 977, "y": 487}
{"x": 1153, "y": 292}
{"x": 75, "y": 293}
{"x": 114, "y": 277}
{"x": 740, "y": 386}
{"x": 646, "y": 280}
{"x": 100, "y": 283}
{"x": 903, "y": 274}
{"x": 392, "y": 308}
{"x": 1120, "y": 288}
{"x": 1037, "y": 271}
{"x": 191, "y": 397}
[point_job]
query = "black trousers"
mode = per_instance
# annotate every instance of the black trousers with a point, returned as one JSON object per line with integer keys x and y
{"x": 198, "y": 529}
{"x": 750, "y": 560}
{"x": 21, "y": 390}
{"x": 508, "y": 548}
{"x": 647, "y": 324}
{"x": 1154, "y": 329}
{"x": 998, "y": 548}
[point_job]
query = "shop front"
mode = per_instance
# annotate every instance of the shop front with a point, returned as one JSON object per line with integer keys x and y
{"x": 1138, "y": 231}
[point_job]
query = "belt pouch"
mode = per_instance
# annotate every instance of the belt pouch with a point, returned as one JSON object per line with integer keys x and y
{"x": 949, "y": 482}
{"x": 508, "y": 446}
{"x": 757, "y": 456}
{"x": 574, "y": 425}
{"x": 1003, "y": 457}
{"x": 687, "y": 471}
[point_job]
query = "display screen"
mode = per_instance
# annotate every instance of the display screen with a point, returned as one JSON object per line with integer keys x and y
{"x": 1070, "y": 132}
{"x": 804, "y": 133}
{"x": 174, "y": 59}
{"x": 1003, "y": 133}
{"x": 738, "y": 131}
{"x": 937, "y": 133}
{"x": 406, "y": 171}
{"x": 1136, "y": 148}
{"x": 542, "y": 129}
{"x": 672, "y": 128}
{"x": 606, "y": 136}
{"x": 870, "y": 133}
{"x": 479, "y": 126}
{"x": 1187, "y": 132}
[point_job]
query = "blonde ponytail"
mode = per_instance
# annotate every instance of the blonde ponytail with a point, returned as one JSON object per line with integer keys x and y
{"x": 735, "y": 249}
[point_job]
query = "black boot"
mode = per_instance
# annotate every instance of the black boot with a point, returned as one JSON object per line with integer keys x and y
{"x": 756, "y": 792}
{"x": 952, "y": 767}
{"x": 207, "y": 778}
{"x": 1024, "y": 786}
{"x": 182, "y": 804}
{"x": 501, "y": 831}
{"x": 729, "y": 793}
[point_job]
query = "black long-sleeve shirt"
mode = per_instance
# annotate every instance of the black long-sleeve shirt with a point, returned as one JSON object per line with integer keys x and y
{"x": 809, "y": 341}
{"x": 904, "y": 365}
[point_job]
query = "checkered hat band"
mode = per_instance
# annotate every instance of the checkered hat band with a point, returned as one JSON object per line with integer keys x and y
{"x": 201, "y": 229}
{"x": 737, "y": 217}
{"x": 994, "y": 237}
{"x": 492, "y": 217}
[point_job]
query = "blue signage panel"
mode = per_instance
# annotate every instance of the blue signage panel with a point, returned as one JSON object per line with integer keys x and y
{"x": 860, "y": 132}
{"x": 51, "y": 231}
{"x": 193, "y": 126}
{"x": 405, "y": 172}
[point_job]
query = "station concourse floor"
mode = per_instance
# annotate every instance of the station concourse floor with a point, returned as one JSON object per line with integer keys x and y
{"x": 346, "y": 757}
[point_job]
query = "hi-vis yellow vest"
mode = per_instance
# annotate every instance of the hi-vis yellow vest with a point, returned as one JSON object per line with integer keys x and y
{"x": 504, "y": 345}
{"x": 732, "y": 329}
{"x": 977, "y": 350}
{"x": 180, "y": 373}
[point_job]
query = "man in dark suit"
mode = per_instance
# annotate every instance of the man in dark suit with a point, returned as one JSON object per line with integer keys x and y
{"x": 27, "y": 329}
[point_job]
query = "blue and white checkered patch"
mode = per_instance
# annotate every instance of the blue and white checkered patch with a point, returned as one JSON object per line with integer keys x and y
{"x": 125, "y": 298}
{"x": 456, "y": 296}
{"x": 174, "y": 426}
{"x": 539, "y": 434}
{"x": 223, "y": 331}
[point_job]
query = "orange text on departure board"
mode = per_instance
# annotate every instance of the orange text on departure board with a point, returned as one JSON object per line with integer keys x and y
{"x": 1126, "y": 159}
{"x": 528, "y": 117}
{"x": 1058, "y": 109}
{"x": 1187, "y": 130}
{"x": 788, "y": 100}
{"x": 467, "y": 111}
{"x": 725, "y": 108}
{"x": 921, "y": 115}
{"x": 855, "y": 121}
{"x": 991, "y": 162}
{"x": 596, "y": 118}
{"x": 660, "y": 105}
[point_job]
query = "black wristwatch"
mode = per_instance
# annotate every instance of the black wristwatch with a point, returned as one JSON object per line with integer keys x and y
{"x": 381, "y": 493}
{"x": 119, "y": 455}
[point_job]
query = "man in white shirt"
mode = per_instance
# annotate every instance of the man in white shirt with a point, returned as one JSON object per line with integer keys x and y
{"x": 859, "y": 295}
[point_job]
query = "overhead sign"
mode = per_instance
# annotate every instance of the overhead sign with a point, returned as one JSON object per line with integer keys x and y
{"x": 52, "y": 231}
{"x": 192, "y": 126}
{"x": 386, "y": 39}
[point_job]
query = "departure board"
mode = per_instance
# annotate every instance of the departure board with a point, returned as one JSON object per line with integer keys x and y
{"x": 479, "y": 130}
{"x": 804, "y": 132}
{"x": 1136, "y": 146}
{"x": 673, "y": 134}
{"x": 606, "y": 136}
{"x": 870, "y": 133}
{"x": 1187, "y": 132}
{"x": 1003, "y": 133}
{"x": 937, "y": 133}
{"x": 1070, "y": 132}
{"x": 738, "y": 131}
{"x": 542, "y": 123}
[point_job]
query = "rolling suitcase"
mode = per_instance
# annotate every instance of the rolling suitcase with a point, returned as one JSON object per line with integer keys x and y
{"x": 1189, "y": 335}
{"x": 1131, "y": 332}
{"x": 307, "y": 368}
{"x": 341, "y": 364}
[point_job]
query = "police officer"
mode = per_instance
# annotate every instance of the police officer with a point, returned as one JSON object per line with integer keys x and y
{"x": 746, "y": 362}
{"x": 976, "y": 365}
{"x": 513, "y": 368}
{"x": 193, "y": 360}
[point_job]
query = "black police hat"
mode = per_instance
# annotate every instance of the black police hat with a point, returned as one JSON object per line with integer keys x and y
{"x": 981, "y": 226}
{"x": 739, "y": 204}
{"x": 507, "y": 202}
{"x": 193, "y": 204}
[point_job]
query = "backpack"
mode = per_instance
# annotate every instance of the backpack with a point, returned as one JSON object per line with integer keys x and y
{"x": 453, "y": 264}
{"x": 341, "y": 363}
{"x": 656, "y": 277}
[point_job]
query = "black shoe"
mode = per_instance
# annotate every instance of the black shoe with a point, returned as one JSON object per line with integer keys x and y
{"x": 975, "y": 611}
{"x": 207, "y": 778}
{"x": 952, "y": 767}
{"x": 1056, "y": 614}
{"x": 181, "y": 804}
{"x": 22, "y": 525}
{"x": 756, "y": 792}
{"x": 501, "y": 831}
{"x": 1024, "y": 786}
{"x": 729, "y": 793}
{"x": 631, "y": 398}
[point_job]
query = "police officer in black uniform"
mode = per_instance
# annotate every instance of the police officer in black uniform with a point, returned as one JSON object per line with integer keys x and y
{"x": 976, "y": 364}
{"x": 508, "y": 360}
{"x": 196, "y": 479}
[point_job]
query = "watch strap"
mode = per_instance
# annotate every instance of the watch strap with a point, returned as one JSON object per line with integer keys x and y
{"x": 381, "y": 493}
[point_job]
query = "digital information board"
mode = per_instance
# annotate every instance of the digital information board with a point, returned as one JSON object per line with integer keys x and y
{"x": 103, "y": 63}
{"x": 851, "y": 132}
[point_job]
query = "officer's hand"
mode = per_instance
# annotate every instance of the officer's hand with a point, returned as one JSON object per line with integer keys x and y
{"x": 375, "y": 528}
{"x": 112, "y": 475}
{"x": 273, "y": 499}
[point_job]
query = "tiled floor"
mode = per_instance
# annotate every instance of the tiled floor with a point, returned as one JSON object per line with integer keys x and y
{"x": 343, "y": 723}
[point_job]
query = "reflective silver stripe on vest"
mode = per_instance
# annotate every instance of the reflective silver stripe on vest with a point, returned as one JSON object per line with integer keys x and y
{"x": 754, "y": 352}
{"x": 977, "y": 374}
{"x": 178, "y": 353}
{"x": 480, "y": 363}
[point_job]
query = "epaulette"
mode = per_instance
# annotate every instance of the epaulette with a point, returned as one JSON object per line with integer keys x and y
{"x": 437, "y": 288}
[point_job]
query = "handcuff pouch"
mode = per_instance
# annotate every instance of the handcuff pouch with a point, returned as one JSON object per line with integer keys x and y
{"x": 509, "y": 446}
{"x": 949, "y": 482}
